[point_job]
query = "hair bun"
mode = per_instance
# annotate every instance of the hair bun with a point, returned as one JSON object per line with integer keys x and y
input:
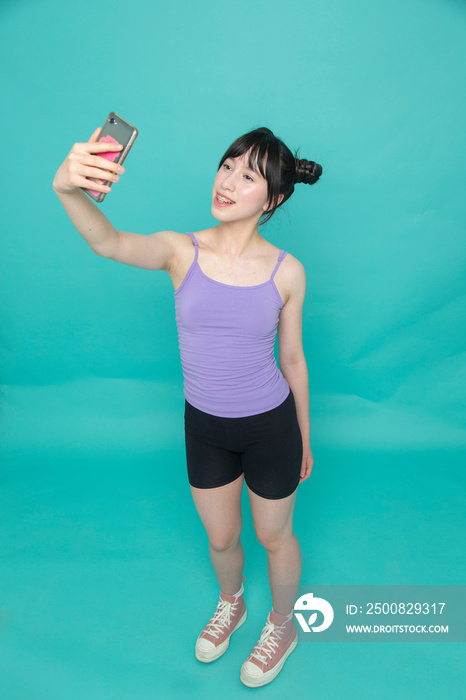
{"x": 307, "y": 171}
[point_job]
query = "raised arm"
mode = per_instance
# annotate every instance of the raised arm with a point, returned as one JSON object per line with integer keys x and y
{"x": 153, "y": 252}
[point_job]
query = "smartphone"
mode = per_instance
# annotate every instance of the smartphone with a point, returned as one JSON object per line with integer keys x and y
{"x": 115, "y": 130}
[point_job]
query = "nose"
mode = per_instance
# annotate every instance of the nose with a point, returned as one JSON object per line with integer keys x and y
{"x": 228, "y": 182}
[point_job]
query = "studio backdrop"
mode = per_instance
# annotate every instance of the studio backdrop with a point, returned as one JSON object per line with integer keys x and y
{"x": 99, "y": 539}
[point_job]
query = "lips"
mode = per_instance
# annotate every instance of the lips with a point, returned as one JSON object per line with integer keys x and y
{"x": 224, "y": 197}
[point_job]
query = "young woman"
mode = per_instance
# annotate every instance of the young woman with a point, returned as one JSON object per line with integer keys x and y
{"x": 245, "y": 419}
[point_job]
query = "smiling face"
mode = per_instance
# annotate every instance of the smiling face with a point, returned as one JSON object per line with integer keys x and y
{"x": 245, "y": 187}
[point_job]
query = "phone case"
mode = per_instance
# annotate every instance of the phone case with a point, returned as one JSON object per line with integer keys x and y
{"x": 115, "y": 130}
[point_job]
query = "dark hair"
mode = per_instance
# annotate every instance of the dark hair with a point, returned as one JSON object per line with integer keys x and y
{"x": 282, "y": 169}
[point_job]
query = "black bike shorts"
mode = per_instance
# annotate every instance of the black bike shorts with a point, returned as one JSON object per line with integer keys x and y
{"x": 267, "y": 447}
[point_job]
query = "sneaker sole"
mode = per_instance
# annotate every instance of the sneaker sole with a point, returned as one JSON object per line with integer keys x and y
{"x": 217, "y": 652}
{"x": 268, "y": 676}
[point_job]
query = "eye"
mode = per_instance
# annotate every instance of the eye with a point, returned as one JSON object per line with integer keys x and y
{"x": 249, "y": 177}
{"x": 225, "y": 165}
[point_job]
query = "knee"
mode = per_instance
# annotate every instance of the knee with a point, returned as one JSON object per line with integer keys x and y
{"x": 222, "y": 541}
{"x": 273, "y": 541}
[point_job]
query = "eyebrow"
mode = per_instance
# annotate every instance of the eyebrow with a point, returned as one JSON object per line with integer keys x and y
{"x": 253, "y": 170}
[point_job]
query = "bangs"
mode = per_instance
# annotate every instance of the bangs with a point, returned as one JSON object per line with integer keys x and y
{"x": 258, "y": 153}
{"x": 257, "y": 158}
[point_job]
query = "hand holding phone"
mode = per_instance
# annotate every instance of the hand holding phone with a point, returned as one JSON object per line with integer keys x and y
{"x": 97, "y": 161}
{"x": 115, "y": 131}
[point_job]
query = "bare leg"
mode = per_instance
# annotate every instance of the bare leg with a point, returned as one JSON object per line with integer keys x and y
{"x": 273, "y": 522}
{"x": 220, "y": 512}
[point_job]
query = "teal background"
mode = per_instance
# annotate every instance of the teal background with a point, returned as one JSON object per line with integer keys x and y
{"x": 105, "y": 575}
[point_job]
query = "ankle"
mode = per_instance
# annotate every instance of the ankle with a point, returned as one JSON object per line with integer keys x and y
{"x": 279, "y": 619}
{"x": 235, "y": 595}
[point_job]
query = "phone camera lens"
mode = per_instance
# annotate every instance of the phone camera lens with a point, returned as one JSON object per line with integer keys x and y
{"x": 112, "y": 120}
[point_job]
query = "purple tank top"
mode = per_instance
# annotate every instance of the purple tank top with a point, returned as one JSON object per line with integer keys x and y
{"x": 226, "y": 337}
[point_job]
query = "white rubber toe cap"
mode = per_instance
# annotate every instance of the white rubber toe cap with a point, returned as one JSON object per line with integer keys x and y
{"x": 207, "y": 651}
{"x": 204, "y": 645}
{"x": 252, "y": 670}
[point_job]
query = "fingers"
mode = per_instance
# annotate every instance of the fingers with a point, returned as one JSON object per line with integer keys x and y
{"x": 91, "y": 185}
{"x": 82, "y": 171}
{"x": 85, "y": 165}
{"x": 306, "y": 470}
{"x": 101, "y": 174}
{"x": 82, "y": 175}
{"x": 95, "y": 135}
{"x": 94, "y": 146}
{"x": 97, "y": 162}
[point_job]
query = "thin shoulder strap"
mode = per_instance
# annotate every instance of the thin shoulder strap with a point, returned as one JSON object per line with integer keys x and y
{"x": 195, "y": 244}
{"x": 280, "y": 258}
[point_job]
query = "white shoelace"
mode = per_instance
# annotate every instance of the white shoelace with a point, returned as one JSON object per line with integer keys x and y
{"x": 271, "y": 636}
{"x": 221, "y": 617}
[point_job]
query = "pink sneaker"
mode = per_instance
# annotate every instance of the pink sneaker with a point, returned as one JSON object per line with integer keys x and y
{"x": 278, "y": 639}
{"x": 214, "y": 639}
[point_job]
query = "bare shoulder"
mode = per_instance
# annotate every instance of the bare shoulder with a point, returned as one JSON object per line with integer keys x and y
{"x": 174, "y": 244}
{"x": 293, "y": 265}
{"x": 176, "y": 239}
{"x": 291, "y": 279}
{"x": 155, "y": 251}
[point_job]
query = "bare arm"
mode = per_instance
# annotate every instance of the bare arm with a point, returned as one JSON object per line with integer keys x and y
{"x": 292, "y": 361}
{"x": 154, "y": 252}
{"x": 82, "y": 163}
{"x": 88, "y": 219}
